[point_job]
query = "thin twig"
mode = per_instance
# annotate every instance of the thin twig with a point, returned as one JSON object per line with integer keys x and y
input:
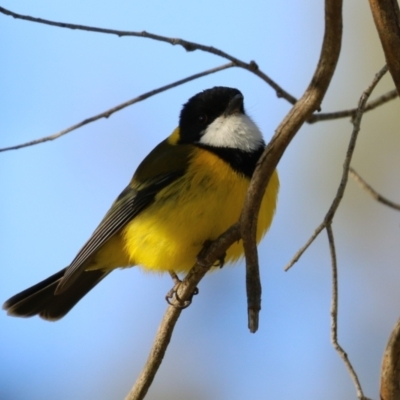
{"x": 300, "y": 112}
{"x": 371, "y": 191}
{"x": 392, "y": 94}
{"x": 108, "y": 113}
{"x": 334, "y": 315}
{"x": 185, "y": 291}
{"x": 346, "y": 166}
{"x": 302, "y": 249}
{"x": 188, "y": 46}
{"x": 390, "y": 371}
{"x": 327, "y": 224}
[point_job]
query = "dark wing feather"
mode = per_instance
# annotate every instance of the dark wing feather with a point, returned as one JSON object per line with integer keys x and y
{"x": 129, "y": 204}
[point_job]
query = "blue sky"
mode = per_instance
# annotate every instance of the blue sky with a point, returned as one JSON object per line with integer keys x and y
{"x": 54, "y": 195}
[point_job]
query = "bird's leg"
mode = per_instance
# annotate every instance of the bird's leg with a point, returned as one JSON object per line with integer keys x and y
{"x": 172, "y": 295}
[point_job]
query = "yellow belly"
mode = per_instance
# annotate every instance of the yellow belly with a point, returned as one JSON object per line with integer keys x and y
{"x": 170, "y": 233}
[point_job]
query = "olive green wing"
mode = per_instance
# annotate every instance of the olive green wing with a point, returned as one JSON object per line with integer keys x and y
{"x": 160, "y": 168}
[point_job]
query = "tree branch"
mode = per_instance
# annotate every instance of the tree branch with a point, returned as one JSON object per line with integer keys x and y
{"x": 386, "y": 15}
{"x": 334, "y": 316}
{"x": 346, "y": 166}
{"x": 371, "y": 191}
{"x": 119, "y": 107}
{"x": 300, "y": 112}
{"x": 188, "y": 46}
{"x": 352, "y": 112}
{"x": 327, "y": 224}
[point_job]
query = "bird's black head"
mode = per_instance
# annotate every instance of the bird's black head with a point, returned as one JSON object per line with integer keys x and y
{"x": 203, "y": 108}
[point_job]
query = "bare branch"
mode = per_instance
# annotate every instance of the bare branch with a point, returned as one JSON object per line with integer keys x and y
{"x": 390, "y": 372}
{"x": 300, "y": 112}
{"x": 327, "y": 224}
{"x": 302, "y": 250}
{"x": 188, "y": 46}
{"x": 386, "y": 15}
{"x": 334, "y": 316}
{"x": 371, "y": 191}
{"x": 185, "y": 291}
{"x": 352, "y": 112}
{"x": 253, "y": 283}
{"x": 119, "y": 107}
{"x": 346, "y": 166}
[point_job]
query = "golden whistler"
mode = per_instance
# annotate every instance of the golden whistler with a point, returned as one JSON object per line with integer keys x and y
{"x": 187, "y": 191}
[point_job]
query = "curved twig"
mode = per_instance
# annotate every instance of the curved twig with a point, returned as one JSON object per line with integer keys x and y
{"x": 300, "y": 112}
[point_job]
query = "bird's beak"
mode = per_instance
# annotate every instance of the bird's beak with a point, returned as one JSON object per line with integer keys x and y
{"x": 234, "y": 106}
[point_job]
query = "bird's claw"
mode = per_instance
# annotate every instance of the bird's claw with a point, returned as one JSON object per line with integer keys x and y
{"x": 173, "y": 298}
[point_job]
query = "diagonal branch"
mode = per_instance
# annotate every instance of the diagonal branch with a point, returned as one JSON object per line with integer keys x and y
{"x": 371, "y": 191}
{"x": 300, "y": 112}
{"x": 188, "y": 46}
{"x": 119, "y": 107}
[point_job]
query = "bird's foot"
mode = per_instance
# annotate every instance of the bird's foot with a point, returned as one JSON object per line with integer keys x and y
{"x": 172, "y": 296}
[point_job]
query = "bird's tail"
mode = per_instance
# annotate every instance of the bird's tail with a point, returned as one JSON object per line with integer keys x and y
{"x": 41, "y": 300}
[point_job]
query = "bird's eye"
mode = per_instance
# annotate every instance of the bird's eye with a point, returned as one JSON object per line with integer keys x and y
{"x": 202, "y": 118}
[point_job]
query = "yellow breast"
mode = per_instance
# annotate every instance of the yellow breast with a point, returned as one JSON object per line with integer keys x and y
{"x": 200, "y": 206}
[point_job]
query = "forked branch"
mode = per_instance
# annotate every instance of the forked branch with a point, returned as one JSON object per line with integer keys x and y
{"x": 346, "y": 167}
{"x": 327, "y": 224}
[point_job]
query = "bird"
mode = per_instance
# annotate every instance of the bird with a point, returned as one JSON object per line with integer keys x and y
{"x": 186, "y": 192}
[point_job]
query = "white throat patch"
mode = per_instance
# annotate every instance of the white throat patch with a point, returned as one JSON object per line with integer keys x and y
{"x": 235, "y": 131}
